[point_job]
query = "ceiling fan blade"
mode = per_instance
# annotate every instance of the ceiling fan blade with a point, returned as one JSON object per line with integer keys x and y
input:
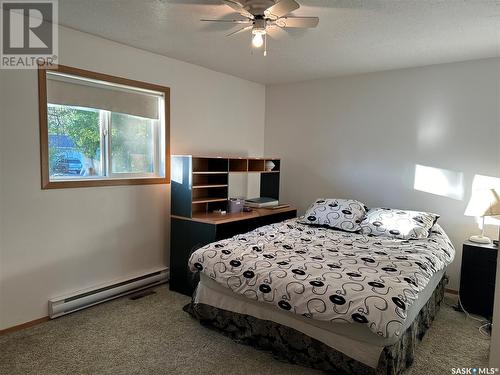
{"x": 297, "y": 22}
{"x": 227, "y": 21}
{"x": 240, "y": 30}
{"x": 237, "y": 7}
{"x": 282, "y": 8}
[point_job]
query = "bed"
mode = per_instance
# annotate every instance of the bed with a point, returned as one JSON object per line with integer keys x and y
{"x": 324, "y": 298}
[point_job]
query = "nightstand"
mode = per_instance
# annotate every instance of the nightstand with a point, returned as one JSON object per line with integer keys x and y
{"x": 477, "y": 278}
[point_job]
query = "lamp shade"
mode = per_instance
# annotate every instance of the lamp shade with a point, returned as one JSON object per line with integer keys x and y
{"x": 484, "y": 202}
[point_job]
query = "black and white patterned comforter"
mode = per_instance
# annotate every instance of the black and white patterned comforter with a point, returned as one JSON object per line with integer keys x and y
{"x": 326, "y": 274}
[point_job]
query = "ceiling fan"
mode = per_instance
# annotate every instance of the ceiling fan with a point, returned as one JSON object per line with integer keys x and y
{"x": 262, "y": 15}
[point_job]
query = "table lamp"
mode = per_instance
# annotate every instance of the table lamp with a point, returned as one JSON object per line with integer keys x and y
{"x": 483, "y": 202}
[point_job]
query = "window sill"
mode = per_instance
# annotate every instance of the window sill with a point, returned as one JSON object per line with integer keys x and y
{"x": 67, "y": 184}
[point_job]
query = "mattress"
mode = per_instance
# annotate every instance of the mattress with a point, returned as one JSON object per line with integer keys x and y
{"x": 357, "y": 342}
{"x": 358, "y": 284}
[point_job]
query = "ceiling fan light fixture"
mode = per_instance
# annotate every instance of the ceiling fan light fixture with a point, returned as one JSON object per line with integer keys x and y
{"x": 258, "y": 37}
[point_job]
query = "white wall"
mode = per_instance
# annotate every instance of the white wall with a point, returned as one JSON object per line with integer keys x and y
{"x": 361, "y": 137}
{"x": 54, "y": 242}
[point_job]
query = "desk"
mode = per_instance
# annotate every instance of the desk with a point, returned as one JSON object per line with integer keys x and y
{"x": 189, "y": 234}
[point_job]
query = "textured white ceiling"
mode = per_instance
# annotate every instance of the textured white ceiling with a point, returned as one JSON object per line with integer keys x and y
{"x": 353, "y": 36}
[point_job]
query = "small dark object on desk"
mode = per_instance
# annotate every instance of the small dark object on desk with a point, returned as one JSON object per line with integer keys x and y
{"x": 247, "y": 209}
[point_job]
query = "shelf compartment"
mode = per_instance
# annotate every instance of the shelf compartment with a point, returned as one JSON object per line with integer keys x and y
{"x": 210, "y": 172}
{"x": 199, "y": 208}
{"x": 256, "y": 165}
{"x": 205, "y": 195}
{"x": 220, "y": 205}
{"x": 276, "y": 167}
{"x": 207, "y": 200}
{"x": 206, "y": 165}
{"x": 210, "y": 179}
{"x": 238, "y": 165}
{"x": 208, "y": 186}
{"x": 204, "y": 208}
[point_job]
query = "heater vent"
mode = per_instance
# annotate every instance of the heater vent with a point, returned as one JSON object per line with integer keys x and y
{"x": 86, "y": 298}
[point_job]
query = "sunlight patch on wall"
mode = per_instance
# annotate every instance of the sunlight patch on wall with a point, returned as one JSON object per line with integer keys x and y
{"x": 437, "y": 181}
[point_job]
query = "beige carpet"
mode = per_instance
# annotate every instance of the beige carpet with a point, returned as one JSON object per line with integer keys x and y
{"x": 152, "y": 335}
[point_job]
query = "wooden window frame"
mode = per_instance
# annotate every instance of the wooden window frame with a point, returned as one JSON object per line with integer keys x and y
{"x": 44, "y": 131}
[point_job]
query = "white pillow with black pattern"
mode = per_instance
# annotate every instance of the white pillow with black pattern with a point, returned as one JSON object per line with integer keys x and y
{"x": 345, "y": 214}
{"x": 400, "y": 224}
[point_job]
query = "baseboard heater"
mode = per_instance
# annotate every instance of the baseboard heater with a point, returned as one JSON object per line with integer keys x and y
{"x": 85, "y": 298}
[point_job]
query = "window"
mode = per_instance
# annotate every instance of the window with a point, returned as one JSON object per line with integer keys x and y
{"x": 100, "y": 130}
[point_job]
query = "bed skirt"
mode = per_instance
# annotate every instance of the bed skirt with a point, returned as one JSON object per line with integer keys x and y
{"x": 293, "y": 346}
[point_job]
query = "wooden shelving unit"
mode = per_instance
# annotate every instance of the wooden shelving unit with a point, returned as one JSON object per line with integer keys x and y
{"x": 200, "y": 184}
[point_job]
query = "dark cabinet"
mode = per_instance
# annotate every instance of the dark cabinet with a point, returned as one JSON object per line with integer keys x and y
{"x": 188, "y": 235}
{"x": 477, "y": 278}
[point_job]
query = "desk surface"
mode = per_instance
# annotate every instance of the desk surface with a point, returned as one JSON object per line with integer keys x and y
{"x": 213, "y": 218}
